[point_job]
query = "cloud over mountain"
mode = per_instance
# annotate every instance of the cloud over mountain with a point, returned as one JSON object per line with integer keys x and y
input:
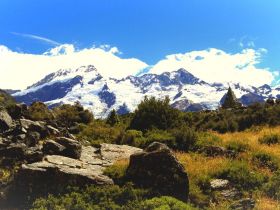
{"x": 214, "y": 65}
{"x": 19, "y": 70}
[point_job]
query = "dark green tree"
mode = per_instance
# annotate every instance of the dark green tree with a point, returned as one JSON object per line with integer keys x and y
{"x": 155, "y": 113}
{"x": 113, "y": 118}
{"x": 230, "y": 100}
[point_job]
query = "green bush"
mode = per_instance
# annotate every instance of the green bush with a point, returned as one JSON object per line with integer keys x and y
{"x": 165, "y": 203}
{"x": 242, "y": 176}
{"x": 266, "y": 160}
{"x": 186, "y": 138}
{"x": 40, "y": 111}
{"x": 96, "y": 198}
{"x": 164, "y": 137}
{"x": 237, "y": 146}
{"x": 5, "y": 99}
{"x": 207, "y": 139}
{"x": 272, "y": 188}
{"x": 109, "y": 198}
{"x": 68, "y": 115}
{"x": 113, "y": 118}
{"x": 198, "y": 197}
{"x": 131, "y": 137}
{"x": 270, "y": 139}
{"x": 155, "y": 113}
{"x": 99, "y": 132}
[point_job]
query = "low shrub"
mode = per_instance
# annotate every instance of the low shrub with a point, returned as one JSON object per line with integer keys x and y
{"x": 99, "y": 132}
{"x": 40, "y": 111}
{"x": 266, "y": 160}
{"x": 270, "y": 139}
{"x": 237, "y": 146}
{"x": 131, "y": 137}
{"x": 68, "y": 115}
{"x": 272, "y": 188}
{"x": 110, "y": 198}
{"x": 243, "y": 178}
{"x": 185, "y": 137}
{"x": 165, "y": 202}
{"x": 164, "y": 137}
{"x": 198, "y": 197}
{"x": 207, "y": 139}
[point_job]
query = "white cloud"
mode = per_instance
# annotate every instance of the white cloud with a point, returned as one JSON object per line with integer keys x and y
{"x": 19, "y": 70}
{"x": 215, "y": 65}
{"x": 40, "y": 38}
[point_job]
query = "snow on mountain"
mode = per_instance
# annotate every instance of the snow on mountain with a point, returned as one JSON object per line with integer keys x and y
{"x": 101, "y": 94}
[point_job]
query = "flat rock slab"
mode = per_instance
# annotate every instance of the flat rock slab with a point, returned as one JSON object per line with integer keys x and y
{"x": 112, "y": 152}
{"x": 91, "y": 164}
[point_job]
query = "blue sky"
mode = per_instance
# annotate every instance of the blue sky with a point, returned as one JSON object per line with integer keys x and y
{"x": 144, "y": 29}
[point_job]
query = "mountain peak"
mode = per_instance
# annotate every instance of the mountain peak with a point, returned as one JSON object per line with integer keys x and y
{"x": 101, "y": 95}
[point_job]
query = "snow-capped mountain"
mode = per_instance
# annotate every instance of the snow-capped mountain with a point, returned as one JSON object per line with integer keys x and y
{"x": 101, "y": 95}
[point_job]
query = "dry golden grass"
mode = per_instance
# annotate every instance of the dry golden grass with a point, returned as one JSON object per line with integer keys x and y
{"x": 197, "y": 164}
{"x": 251, "y": 138}
{"x": 264, "y": 203}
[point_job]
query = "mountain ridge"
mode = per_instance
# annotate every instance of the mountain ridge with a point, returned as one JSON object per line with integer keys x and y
{"x": 99, "y": 94}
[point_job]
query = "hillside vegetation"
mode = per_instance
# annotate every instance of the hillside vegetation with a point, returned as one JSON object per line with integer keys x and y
{"x": 238, "y": 144}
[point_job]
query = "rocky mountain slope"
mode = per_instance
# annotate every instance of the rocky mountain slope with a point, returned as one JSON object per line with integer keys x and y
{"x": 101, "y": 94}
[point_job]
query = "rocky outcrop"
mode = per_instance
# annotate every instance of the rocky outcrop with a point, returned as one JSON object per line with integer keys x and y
{"x": 56, "y": 172}
{"x": 158, "y": 168}
{"x": 49, "y": 158}
{"x": 63, "y": 146}
{"x": 6, "y": 121}
{"x": 73, "y": 148}
{"x": 244, "y": 204}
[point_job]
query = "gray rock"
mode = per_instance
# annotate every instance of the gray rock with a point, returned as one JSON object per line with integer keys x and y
{"x": 52, "y": 130}
{"x": 55, "y": 172}
{"x": 36, "y": 126}
{"x": 14, "y": 150}
{"x": 158, "y": 168}
{"x": 217, "y": 184}
{"x": 213, "y": 151}
{"x": 112, "y": 152}
{"x": 73, "y": 148}
{"x": 244, "y": 204}
{"x": 32, "y": 138}
{"x": 231, "y": 193}
{"x": 51, "y": 147}
{"x": 6, "y": 121}
{"x": 33, "y": 154}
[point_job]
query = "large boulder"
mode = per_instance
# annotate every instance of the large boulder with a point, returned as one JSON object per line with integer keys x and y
{"x": 35, "y": 126}
{"x": 73, "y": 148}
{"x": 158, "y": 168}
{"x": 13, "y": 150}
{"x": 51, "y": 147}
{"x": 17, "y": 111}
{"x": 63, "y": 146}
{"x": 6, "y": 122}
